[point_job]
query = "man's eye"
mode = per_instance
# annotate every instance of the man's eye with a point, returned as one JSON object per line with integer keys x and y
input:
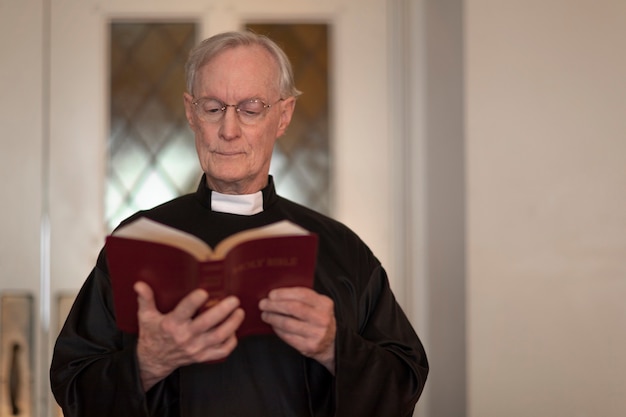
{"x": 252, "y": 108}
{"x": 211, "y": 109}
{"x": 249, "y": 112}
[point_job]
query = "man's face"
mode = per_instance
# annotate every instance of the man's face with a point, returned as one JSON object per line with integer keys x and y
{"x": 236, "y": 156}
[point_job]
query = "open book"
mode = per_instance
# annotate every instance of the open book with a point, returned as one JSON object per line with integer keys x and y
{"x": 247, "y": 264}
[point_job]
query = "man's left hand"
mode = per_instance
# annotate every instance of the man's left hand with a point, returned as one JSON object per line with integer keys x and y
{"x": 305, "y": 320}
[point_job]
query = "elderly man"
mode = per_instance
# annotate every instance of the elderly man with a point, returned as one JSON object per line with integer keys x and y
{"x": 344, "y": 348}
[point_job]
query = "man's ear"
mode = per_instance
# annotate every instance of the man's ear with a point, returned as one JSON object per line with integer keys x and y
{"x": 189, "y": 110}
{"x": 287, "y": 107}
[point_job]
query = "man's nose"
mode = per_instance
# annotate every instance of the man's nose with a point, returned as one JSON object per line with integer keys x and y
{"x": 231, "y": 127}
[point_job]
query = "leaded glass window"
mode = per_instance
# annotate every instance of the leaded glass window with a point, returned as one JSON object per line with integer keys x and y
{"x": 301, "y": 159}
{"x": 152, "y": 155}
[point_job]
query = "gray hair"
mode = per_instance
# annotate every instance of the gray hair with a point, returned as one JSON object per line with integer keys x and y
{"x": 210, "y": 47}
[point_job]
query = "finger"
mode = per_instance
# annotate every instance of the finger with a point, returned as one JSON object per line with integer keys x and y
{"x": 297, "y": 341}
{"x": 216, "y": 314}
{"x": 279, "y": 300}
{"x": 305, "y": 336}
{"x": 145, "y": 296}
{"x": 311, "y": 341}
{"x": 146, "y": 306}
{"x": 227, "y": 328}
{"x": 308, "y": 327}
{"x": 304, "y": 310}
{"x": 292, "y": 293}
{"x": 201, "y": 343}
{"x": 218, "y": 342}
{"x": 188, "y": 306}
{"x": 220, "y": 352}
{"x": 285, "y": 308}
{"x": 284, "y": 323}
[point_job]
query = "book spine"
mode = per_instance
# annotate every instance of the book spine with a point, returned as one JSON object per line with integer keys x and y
{"x": 211, "y": 279}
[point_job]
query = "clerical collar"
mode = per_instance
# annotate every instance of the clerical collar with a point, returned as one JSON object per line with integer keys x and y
{"x": 244, "y": 204}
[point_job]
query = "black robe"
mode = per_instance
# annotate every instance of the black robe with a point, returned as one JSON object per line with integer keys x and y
{"x": 381, "y": 366}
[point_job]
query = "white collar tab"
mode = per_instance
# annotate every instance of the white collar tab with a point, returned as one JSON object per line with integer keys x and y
{"x": 244, "y": 204}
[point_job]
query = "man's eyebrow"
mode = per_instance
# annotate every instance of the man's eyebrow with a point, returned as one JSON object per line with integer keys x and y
{"x": 256, "y": 97}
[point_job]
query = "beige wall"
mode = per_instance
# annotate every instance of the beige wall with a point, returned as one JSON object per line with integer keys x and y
{"x": 546, "y": 195}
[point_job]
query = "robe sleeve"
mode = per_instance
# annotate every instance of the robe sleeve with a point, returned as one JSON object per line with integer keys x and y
{"x": 94, "y": 370}
{"x": 381, "y": 365}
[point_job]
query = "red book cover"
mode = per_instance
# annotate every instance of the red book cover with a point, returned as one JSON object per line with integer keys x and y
{"x": 248, "y": 264}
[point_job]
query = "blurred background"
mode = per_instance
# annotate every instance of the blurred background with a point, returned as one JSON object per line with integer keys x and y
{"x": 477, "y": 146}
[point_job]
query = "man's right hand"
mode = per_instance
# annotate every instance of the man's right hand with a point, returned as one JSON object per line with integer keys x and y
{"x": 169, "y": 341}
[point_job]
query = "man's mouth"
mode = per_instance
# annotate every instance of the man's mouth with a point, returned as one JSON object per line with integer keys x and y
{"x": 228, "y": 153}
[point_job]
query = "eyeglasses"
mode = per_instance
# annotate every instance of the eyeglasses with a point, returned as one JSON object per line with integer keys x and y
{"x": 250, "y": 111}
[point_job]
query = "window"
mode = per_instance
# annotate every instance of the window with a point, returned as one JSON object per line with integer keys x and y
{"x": 301, "y": 159}
{"x": 152, "y": 155}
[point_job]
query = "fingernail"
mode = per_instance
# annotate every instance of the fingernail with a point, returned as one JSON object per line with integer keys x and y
{"x": 232, "y": 301}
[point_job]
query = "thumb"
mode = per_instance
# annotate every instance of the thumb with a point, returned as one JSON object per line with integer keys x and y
{"x": 145, "y": 297}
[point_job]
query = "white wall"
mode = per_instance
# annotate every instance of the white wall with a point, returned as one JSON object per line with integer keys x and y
{"x": 21, "y": 129}
{"x": 22, "y": 172}
{"x": 546, "y": 185}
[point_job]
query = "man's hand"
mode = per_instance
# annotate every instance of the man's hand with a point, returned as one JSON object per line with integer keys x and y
{"x": 305, "y": 320}
{"x": 169, "y": 341}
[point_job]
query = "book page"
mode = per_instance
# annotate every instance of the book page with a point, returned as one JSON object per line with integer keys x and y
{"x": 151, "y": 231}
{"x": 282, "y": 228}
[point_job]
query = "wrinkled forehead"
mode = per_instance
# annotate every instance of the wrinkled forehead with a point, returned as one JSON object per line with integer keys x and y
{"x": 240, "y": 71}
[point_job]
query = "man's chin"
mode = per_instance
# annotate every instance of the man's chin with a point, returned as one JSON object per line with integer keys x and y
{"x": 228, "y": 182}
